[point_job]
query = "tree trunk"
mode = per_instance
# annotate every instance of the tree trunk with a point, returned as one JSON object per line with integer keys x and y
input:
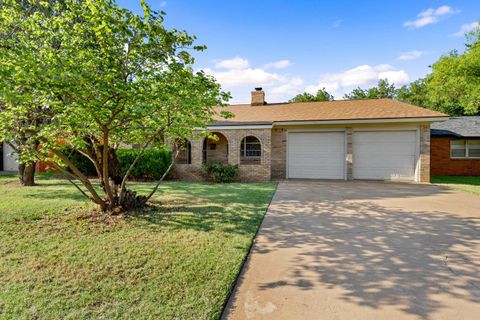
{"x": 130, "y": 199}
{"x": 27, "y": 174}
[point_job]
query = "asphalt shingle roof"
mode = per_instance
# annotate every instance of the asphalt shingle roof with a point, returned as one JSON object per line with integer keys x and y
{"x": 325, "y": 110}
{"x": 462, "y": 127}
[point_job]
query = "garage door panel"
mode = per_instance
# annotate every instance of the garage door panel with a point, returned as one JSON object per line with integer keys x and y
{"x": 390, "y": 146}
{"x": 394, "y": 164}
{"x": 313, "y": 172}
{"x": 316, "y": 155}
{"x": 313, "y": 162}
{"x": 385, "y": 136}
{"x": 325, "y": 155}
{"x": 384, "y": 155}
{"x": 380, "y": 173}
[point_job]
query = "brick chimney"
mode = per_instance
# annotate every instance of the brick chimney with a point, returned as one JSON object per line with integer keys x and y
{"x": 258, "y": 97}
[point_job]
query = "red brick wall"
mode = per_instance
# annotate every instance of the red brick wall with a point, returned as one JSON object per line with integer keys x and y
{"x": 442, "y": 165}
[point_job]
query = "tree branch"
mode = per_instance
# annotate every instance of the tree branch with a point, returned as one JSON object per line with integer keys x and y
{"x": 69, "y": 177}
{"x": 130, "y": 168}
{"x": 163, "y": 177}
{"x": 81, "y": 177}
{"x": 94, "y": 161}
{"x": 105, "y": 164}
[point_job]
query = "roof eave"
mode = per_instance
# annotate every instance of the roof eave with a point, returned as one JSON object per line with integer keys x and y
{"x": 265, "y": 124}
{"x": 363, "y": 121}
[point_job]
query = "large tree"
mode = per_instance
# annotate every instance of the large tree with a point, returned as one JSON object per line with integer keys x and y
{"x": 321, "y": 95}
{"x": 414, "y": 93}
{"x": 19, "y": 125}
{"x": 383, "y": 89}
{"x": 23, "y": 111}
{"x": 454, "y": 84}
{"x": 113, "y": 78}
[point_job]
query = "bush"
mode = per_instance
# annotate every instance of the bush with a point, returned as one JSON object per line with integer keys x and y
{"x": 219, "y": 172}
{"x": 152, "y": 164}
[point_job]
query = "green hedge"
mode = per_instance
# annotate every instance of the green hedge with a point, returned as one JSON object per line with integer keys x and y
{"x": 219, "y": 172}
{"x": 81, "y": 162}
{"x": 152, "y": 164}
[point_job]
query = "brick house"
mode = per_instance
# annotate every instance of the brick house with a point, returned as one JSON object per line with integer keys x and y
{"x": 455, "y": 147}
{"x": 377, "y": 139}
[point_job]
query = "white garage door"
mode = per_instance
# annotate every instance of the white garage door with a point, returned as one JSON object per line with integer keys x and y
{"x": 316, "y": 155}
{"x": 384, "y": 155}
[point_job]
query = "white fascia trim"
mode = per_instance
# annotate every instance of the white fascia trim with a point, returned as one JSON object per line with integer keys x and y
{"x": 260, "y": 126}
{"x": 393, "y": 120}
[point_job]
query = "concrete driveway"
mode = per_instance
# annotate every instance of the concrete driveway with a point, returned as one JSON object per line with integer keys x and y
{"x": 363, "y": 250}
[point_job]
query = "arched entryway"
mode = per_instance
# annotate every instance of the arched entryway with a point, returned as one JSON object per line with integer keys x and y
{"x": 184, "y": 152}
{"x": 215, "y": 148}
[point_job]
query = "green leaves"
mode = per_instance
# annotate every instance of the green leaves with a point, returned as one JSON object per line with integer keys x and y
{"x": 454, "y": 84}
{"x": 383, "y": 89}
{"x": 78, "y": 72}
{"x": 321, "y": 95}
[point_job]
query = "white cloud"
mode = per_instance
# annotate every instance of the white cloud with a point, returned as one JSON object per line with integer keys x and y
{"x": 237, "y": 76}
{"x": 411, "y": 55}
{"x": 466, "y": 28}
{"x": 236, "y": 63}
{"x": 287, "y": 90}
{"x": 280, "y": 64}
{"x": 397, "y": 77}
{"x": 362, "y": 76}
{"x": 443, "y": 10}
{"x": 429, "y": 16}
{"x": 244, "y": 77}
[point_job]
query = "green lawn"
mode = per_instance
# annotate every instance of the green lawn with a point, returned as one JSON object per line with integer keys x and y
{"x": 176, "y": 261}
{"x": 468, "y": 184}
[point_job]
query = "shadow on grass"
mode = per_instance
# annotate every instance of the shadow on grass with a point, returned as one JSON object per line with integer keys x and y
{"x": 49, "y": 194}
{"x": 229, "y": 208}
{"x": 202, "y": 218}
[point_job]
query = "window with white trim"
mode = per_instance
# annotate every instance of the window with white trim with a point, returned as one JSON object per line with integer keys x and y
{"x": 250, "y": 149}
{"x": 465, "y": 149}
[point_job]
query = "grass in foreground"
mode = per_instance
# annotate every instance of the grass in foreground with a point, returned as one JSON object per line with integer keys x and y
{"x": 468, "y": 184}
{"x": 176, "y": 261}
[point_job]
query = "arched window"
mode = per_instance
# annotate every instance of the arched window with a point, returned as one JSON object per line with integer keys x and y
{"x": 250, "y": 150}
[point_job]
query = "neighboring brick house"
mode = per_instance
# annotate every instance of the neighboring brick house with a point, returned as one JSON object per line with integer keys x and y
{"x": 377, "y": 139}
{"x": 455, "y": 147}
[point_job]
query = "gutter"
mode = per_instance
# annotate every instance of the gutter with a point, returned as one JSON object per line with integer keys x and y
{"x": 384, "y": 120}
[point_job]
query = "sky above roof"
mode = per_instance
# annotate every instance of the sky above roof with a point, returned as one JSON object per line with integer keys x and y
{"x": 288, "y": 47}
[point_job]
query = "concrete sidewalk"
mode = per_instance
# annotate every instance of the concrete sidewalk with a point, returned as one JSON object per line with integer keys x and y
{"x": 363, "y": 250}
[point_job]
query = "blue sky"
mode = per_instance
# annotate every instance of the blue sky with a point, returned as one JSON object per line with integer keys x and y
{"x": 289, "y": 47}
